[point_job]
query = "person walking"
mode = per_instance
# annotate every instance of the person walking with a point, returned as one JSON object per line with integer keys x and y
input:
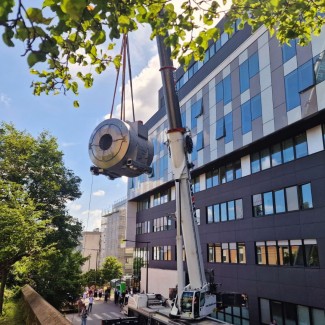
{"x": 106, "y": 295}
{"x": 116, "y": 296}
{"x": 80, "y": 305}
{"x": 90, "y": 304}
{"x": 84, "y": 315}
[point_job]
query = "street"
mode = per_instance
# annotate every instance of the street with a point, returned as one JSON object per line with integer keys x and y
{"x": 100, "y": 311}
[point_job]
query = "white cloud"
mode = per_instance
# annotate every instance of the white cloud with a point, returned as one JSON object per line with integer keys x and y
{"x": 99, "y": 193}
{"x": 91, "y": 219}
{"x": 73, "y": 207}
{"x": 145, "y": 93}
{"x": 5, "y": 99}
{"x": 68, "y": 144}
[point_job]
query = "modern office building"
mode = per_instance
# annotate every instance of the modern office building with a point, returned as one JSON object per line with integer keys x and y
{"x": 256, "y": 113}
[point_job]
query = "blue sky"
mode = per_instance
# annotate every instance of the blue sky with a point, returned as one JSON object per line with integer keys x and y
{"x": 72, "y": 127}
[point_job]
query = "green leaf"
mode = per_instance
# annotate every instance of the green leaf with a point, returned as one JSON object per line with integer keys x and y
{"x": 74, "y": 8}
{"x": 76, "y": 104}
{"x": 7, "y": 36}
{"x": 99, "y": 38}
{"x": 6, "y": 8}
{"x": 35, "y": 57}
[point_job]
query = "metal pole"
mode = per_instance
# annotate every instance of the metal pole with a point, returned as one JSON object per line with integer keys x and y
{"x": 147, "y": 261}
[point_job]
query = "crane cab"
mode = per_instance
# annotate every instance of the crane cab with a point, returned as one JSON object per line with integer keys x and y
{"x": 196, "y": 304}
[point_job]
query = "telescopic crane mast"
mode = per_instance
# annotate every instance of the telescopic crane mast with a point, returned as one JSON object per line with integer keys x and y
{"x": 194, "y": 300}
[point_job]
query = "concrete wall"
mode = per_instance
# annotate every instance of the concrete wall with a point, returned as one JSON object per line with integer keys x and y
{"x": 39, "y": 311}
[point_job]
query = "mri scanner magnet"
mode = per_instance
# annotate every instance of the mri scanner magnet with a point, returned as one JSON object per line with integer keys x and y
{"x": 119, "y": 148}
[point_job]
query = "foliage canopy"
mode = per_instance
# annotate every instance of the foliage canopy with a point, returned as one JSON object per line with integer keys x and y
{"x": 66, "y": 34}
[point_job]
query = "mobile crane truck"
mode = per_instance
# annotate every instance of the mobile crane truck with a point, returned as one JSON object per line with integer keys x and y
{"x": 122, "y": 148}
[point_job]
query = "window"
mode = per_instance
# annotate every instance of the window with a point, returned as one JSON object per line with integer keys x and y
{"x": 276, "y": 155}
{"x": 319, "y": 62}
{"x": 289, "y": 50}
{"x": 255, "y": 162}
{"x": 212, "y": 178}
{"x": 162, "y": 253}
{"x": 196, "y": 111}
{"x": 296, "y": 252}
{"x": 256, "y": 107}
{"x": 227, "y": 90}
{"x": 227, "y": 253}
{"x": 223, "y": 90}
{"x": 292, "y": 90}
{"x": 199, "y": 141}
{"x": 246, "y": 117}
{"x": 225, "y": 211}
{"x": 253, "y": 65}
{"x": 228, "y": 127}
{"x": 306, "y": 76}
{"x": 247, "y": 70}
{"x": 196, "y": 184}
{"x": 301, "y": 148}
{"x": 244, "y": 76}
{"x": 220, "y": 129}
{"x": 283, "y": 200}
{"x": 290, "y": 313}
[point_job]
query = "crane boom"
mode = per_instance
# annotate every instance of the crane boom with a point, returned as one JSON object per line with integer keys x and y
{"x": 194, "y": 300}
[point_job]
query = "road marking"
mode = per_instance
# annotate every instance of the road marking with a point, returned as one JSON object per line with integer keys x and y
{"x": 97, "y": 316}
{"x": 106, "y": 315}
{"x": 116, "y": 314}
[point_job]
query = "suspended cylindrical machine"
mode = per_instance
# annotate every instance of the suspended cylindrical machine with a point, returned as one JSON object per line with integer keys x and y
{"x": 119, "y": 148}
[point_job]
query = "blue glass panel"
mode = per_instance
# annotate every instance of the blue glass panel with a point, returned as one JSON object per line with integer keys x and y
{"x": 253, "y": 65}
{"x": 199, "y": 141}
{"x": 256, "y": 107}
{"x": 228, "y": 128}
{"x": 219, "y": 92}
{"x": 227, "y": 89}
{"x": 306, "y": 75}
{"x": 287, "y": 150}
{"x": 291, "y": 90}
{"x": 268, "y": 203}
{"x": 212, "y": 50}
{"x": 243, "y": 76}
{"x": 231, "y": 210}
{"x": 223, "y": 208}
{"x": 197, "y": 108}
{"x": 279, "y": 201}
{"x": 289, "y": 51}
{"x": 220, "y": 131}
{"x": 216, "y": 213}
{"x": 183, "y": 117}
{"x": 246, "y": 117}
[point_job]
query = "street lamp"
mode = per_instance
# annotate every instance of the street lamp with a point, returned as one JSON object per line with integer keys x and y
{"x": 147, "y": 257}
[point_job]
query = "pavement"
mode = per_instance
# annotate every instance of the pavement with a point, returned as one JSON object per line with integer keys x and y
{"x": 100, "y": 311}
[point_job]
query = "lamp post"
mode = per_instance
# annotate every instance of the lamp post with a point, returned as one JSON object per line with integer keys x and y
{"x": 147, "y": 256}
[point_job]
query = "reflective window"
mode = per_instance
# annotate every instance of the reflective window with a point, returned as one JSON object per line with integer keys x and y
{"x": 244, "y": 76}
{"x": 306, "y": 76}
{"x": 311, "y": 251}
{"x": 231, "y": 210}
{"x": 199, "y": 141}
{"x": 239, "y": 209}
{"x": 276, "y": 155}
{"x": 268, "y": 203}
{"x": 284, "y": 253}
{"x": 306, "y": 197}
{"x": 253, "y": 64}
{"x": 216, "y": 213}
{"x": 272, "y": 255}
{"x": 227, "y": 97}
{"x": 255, "y": 162}
{"x": 257, "y": 205}
{"x": 220, "y": 129}
{"x": 265, "y": 159}
{"x": 301, "y": 147}
{"x": 261, "y": 253}
{"x": 228, "y": 127}
{"x": 223, "y": 211}
{"x": 225, "y": 252}
{"x": 288, "y": 151}
{"x": 292, "y": 198}
{"x": 292, "y": 90}
{"x": 256, "y": 107}
{"x": 246, "y": 117}
{"x": 209, "y": 214}
{"x": 279, "y": 201}
{"x": 289, "y": 50}
{"x": 297, "y": 256}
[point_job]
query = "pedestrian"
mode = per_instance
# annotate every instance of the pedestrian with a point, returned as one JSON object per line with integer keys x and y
{"x": 116, "y": 294}
{"x": 100, "y": 293}
{"x": 106, "y": 294}
{"x": 95, "y": 293}
{"x": 90, "y": 304}
{"x": 80, "y": 305}
{"x": 84, "y": 315}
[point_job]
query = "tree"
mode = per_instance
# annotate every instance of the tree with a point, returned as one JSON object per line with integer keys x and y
{"x": 111, "y": 269}
{"x": 22, "y": 230}
{"x": 78, "y": 33}
{"x": 36, "y": 166}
